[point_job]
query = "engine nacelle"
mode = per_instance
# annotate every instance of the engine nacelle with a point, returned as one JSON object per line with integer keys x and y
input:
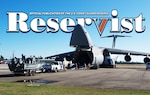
{"x": 69, "y": 58}
{"x": 127, "y": 58}
{"x": 146, "y": 59}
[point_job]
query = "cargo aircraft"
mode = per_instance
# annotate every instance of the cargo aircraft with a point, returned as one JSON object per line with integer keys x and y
{"x": 86, "y": 54}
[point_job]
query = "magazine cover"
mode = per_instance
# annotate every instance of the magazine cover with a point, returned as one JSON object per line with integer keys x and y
{"x": 44, "y": 28}
{"x": 77, "y": 34}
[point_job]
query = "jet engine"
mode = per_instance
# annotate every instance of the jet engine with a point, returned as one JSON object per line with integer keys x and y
{"x": 69, "y": 58}
{"x": 146, "y": 59}
{"x": 127, "y": 58}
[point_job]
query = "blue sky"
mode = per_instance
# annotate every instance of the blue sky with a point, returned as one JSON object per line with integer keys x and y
{"x": 45, "y": 44}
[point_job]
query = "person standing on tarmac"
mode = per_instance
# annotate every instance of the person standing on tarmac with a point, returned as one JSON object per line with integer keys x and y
{"x": 33, "y": 60}
{"x": 23, "y": 58}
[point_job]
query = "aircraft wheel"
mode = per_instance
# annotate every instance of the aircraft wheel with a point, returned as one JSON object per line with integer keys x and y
{"x": 95, "y": 66}
{"x": 31, "y": 72}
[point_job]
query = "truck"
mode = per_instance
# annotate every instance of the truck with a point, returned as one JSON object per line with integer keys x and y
{"x": 53, "y": 66}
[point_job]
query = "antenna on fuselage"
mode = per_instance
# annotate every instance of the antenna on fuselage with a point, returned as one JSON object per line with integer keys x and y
{"x": 114, "y": 39}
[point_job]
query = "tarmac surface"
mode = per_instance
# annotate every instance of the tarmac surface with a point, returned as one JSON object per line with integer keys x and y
{"x": 125, "y": 76}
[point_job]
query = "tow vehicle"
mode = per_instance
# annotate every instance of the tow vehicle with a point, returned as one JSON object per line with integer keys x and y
{"x": 52, "y": 66}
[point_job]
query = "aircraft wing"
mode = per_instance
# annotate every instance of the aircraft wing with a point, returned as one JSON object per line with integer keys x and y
{"x": 63, "y": 55}
{"x": 110, "y": 50}
{"x": 126, "y": 52}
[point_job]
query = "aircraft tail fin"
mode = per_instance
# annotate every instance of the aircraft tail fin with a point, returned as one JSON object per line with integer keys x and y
{"x": 80, "y": 37}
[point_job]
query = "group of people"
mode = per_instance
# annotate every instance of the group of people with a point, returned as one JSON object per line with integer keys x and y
{"x": 23, "y": 59}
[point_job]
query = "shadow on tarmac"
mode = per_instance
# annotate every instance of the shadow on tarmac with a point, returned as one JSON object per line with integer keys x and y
{"x": 7, "y": 75}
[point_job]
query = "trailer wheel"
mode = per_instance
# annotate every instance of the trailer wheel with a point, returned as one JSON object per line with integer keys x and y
{"x": 31, "y": 72}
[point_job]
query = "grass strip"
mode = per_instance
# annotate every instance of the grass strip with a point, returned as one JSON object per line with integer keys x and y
{"x": 24, "y": 89}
